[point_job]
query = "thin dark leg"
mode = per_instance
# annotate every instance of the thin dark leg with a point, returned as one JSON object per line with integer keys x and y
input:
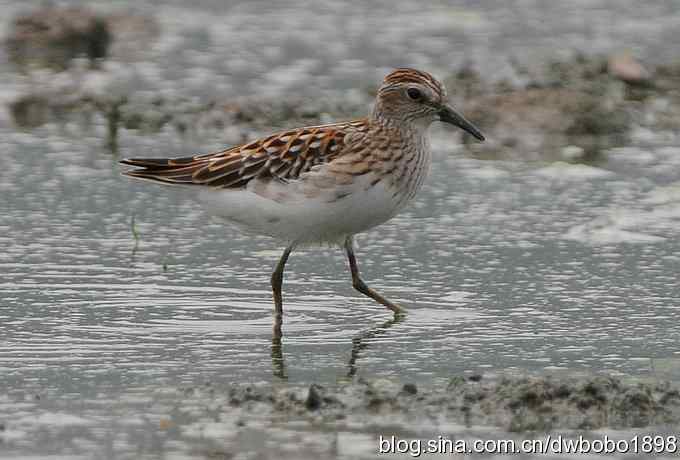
{"x": 359, "y": 284}
{"x": 277, "y": 281}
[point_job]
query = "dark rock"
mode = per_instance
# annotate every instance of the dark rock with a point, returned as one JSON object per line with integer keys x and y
{"x": 30, "y": 111}
{"x": 475, "y": 378}
{"x": 409, "y": 389}
{"x": 314, "y": 400}
{"x": 52, "y": 36}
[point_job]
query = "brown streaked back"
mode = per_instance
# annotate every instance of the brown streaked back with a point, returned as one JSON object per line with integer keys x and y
{"x": 283, "y": 156}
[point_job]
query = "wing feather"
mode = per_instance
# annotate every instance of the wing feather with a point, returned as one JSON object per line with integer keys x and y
{"x": 284, "y": 156}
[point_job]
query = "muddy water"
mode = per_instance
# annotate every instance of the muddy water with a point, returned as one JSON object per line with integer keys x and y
{"x": 505, "y": 267}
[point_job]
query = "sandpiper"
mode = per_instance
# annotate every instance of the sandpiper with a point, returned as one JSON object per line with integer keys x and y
{"x": 326, "y": 183}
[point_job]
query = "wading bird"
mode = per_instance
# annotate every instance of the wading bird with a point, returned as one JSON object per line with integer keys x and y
{"x": 322, "y": 184}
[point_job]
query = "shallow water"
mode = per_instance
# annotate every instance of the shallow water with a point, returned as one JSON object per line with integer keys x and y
{"x": 504, "y": 267}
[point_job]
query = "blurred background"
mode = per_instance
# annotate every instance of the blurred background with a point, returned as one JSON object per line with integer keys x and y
{"x": 550, "y": 249}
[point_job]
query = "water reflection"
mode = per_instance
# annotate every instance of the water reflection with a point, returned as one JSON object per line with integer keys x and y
{"x": 278, "y": 363}
{"x": 363, "y": 340}
{"x": 360, "y": 343}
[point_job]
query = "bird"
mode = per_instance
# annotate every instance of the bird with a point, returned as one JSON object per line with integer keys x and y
{"x": 321, "y": 184}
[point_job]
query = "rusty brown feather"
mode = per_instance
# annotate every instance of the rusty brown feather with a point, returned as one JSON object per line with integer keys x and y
{"x": 283, "y": 156}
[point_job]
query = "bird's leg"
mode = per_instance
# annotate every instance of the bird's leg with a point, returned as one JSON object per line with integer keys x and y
{"x": 359, "y": 284}
{"x": 277, "y": 281}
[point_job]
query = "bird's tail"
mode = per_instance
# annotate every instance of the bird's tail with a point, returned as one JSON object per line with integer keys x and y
{"x": 165, "y": 170}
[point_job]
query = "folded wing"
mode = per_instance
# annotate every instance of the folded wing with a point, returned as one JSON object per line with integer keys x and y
{"x": 284, "y": 156}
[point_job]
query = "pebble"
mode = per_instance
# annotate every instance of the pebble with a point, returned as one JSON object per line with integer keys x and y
{"x": 628, "y": 69}
{"x": 313, "y": 401}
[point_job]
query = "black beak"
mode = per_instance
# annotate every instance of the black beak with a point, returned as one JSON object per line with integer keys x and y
{"x": 448, "y": 115}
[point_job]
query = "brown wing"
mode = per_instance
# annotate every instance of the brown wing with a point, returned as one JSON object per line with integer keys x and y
{"x": 283, "y": 156}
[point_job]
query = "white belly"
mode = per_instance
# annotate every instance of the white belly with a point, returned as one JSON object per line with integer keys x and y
{"x": 282, "y": 210}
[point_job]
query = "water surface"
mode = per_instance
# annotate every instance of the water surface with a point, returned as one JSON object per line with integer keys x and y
{"x": 518, "y": 266}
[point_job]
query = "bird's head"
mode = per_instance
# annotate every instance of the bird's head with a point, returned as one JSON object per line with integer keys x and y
{"x": 413, "y": 96}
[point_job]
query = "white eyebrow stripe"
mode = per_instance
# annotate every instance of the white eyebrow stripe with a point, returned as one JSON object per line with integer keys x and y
{"x": 394, "y": 86}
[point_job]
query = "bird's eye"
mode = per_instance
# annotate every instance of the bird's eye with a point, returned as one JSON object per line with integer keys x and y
{"x": 414, "y": 94}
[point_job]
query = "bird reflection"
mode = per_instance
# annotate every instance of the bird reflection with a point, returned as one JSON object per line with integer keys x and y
{"x": 361, "y": 341}
{"x": 278, "y": 364}
{"x": 359, "y": 344}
